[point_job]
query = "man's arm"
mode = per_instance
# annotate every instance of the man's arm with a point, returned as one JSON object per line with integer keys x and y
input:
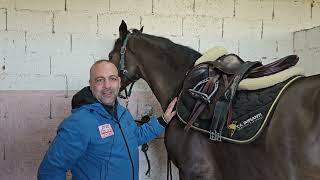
{"x": 155, "y": 127}
{"x": 67, "y": 146}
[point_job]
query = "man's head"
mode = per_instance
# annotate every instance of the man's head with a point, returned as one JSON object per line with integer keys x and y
{"x": 104, "y": 82}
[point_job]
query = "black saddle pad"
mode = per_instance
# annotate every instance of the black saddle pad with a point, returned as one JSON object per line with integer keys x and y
{"x": 251, "y": 111}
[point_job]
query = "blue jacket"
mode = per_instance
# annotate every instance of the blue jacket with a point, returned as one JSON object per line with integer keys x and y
{"x": 91, "y": 144}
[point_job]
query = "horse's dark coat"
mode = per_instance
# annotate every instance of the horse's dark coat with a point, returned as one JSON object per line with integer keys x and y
{"x": 289, "y": 148}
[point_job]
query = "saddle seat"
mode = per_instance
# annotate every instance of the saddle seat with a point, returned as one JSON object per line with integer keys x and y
{"x": 230, "y": 64}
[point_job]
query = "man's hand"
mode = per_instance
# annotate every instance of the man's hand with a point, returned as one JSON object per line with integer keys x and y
{"x": 170, "y": 112}
{"x": 126, "y": 102}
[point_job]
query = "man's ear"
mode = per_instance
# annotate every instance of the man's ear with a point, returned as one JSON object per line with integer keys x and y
{"x": 90, "y": 84}
{"x": 119, "y": 81}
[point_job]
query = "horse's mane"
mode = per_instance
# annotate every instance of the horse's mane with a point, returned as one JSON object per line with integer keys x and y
{"x": 169, "y": 48}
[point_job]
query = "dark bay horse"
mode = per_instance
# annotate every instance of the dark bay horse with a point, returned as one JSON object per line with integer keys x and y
{"x": 289, "y": 147}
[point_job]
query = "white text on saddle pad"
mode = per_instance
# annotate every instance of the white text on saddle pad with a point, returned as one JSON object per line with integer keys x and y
{"x": 249, "y": 121}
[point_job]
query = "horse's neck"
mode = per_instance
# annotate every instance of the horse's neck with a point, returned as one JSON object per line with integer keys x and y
{"x": 165, "y": 79}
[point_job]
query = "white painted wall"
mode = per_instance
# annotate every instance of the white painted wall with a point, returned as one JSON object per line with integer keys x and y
{"x": 307, "y": 45}
{"x": 50, "y": 45}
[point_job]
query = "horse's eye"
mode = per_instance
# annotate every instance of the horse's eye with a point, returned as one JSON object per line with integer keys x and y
{"x": 110, "y": 56}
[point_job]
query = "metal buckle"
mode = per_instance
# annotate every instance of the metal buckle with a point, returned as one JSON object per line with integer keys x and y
{"x": 216, "y": 136}
{"x": 122, "y": 50}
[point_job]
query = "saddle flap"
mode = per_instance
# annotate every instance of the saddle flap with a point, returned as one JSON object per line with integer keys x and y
{"x": 228, "y": 64}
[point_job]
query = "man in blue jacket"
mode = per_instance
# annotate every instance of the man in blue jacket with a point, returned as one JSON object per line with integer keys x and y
{"x": 100, "y": 139}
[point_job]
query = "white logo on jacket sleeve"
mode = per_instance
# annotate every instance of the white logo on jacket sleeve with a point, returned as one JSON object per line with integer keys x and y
{"x": 105, "y": 130}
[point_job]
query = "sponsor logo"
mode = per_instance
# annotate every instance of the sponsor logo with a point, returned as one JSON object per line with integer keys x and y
{"x": 249, "y": 121}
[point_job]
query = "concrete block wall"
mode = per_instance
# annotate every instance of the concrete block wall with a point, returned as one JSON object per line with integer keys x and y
{"x": 47, "y": 47}
{"x": 75, "y": 33}
{"x": 307, "y": 45}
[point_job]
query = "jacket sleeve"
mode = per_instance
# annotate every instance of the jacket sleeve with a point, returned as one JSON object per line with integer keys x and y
{"x": 149, "y": 131}
{"x": 66, "y": 147}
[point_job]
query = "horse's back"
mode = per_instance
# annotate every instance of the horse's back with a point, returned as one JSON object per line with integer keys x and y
{"x": 293, "y": 135}
{"x": 299, "y": 104}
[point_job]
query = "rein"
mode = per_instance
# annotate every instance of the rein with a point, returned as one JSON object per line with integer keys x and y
{"x": 145, "y": 146}
{"x": 132, "y": 79}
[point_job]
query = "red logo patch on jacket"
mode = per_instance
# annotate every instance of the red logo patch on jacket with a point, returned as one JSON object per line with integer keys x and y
{"x": 105, "y": 130}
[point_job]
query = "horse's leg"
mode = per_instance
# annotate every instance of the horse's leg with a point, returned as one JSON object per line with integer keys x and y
{"x": 191, "y": 153}
{"x": 293, "y": 137}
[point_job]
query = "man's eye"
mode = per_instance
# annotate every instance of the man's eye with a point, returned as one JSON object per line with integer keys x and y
{"x": 99, "y": 80}
{"x": 113, "y": 78}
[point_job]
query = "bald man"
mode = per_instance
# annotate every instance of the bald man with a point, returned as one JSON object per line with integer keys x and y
{"x": 100, "y": 139}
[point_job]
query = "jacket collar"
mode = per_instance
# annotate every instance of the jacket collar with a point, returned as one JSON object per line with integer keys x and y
{"x": 98, "y": 107}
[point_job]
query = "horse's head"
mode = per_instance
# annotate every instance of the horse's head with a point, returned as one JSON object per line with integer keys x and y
{"x": 159, "y": 61}
{"x": 123, "y": 57}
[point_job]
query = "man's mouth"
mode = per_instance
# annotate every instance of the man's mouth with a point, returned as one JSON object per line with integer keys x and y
{"x": 107, "y": 93}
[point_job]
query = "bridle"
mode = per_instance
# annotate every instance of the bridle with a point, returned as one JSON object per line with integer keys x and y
{"x": 124, "y": 72}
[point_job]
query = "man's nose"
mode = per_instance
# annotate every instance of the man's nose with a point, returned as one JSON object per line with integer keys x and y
{"x": 106, "y": 84}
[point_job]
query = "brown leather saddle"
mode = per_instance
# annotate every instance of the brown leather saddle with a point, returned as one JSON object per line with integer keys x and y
{"x": 209, "y": 87}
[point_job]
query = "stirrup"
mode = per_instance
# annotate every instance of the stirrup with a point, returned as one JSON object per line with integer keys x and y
{"x": 196, "y": 91}
{"x": 215, "y": 136}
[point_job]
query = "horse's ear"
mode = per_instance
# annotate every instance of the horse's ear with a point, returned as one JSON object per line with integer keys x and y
{"x": 141, "y": 29}
{"x": 123, "y": 29}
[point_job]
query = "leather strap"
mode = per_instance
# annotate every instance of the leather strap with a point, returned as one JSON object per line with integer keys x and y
{"x": 222, "y": 107}
{"x": 200, "y": 105}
